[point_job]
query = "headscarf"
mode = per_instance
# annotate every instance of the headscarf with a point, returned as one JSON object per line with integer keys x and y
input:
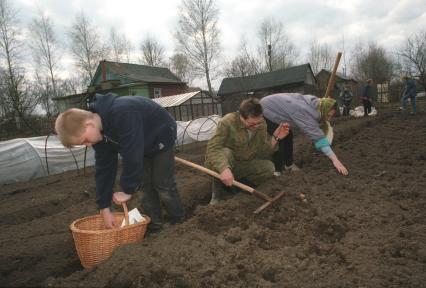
{"x": 324, "y": 106}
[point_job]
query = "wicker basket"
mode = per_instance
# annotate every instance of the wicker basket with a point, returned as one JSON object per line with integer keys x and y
{"x": 94, "y": 243}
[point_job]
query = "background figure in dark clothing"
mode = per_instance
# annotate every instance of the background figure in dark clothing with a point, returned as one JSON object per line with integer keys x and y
{"x": 346, "y": 98}
{"x": 410, "y": 92}
{"x": 367, "y": 97}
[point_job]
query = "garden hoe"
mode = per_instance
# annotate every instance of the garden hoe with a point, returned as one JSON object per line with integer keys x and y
{"x": 268, "y": 200}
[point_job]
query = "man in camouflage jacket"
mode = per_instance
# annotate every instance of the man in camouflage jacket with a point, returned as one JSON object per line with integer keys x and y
{"x": 241, "y": 148}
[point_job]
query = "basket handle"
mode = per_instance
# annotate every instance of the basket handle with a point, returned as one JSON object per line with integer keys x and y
{"x": 126, "y": 213}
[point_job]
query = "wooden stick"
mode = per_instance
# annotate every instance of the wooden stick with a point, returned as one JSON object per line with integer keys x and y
{"x": 216, "y": 175}
{"x": 126, "y": 213}
{"x": 332, "y": 80}
{"x": 269, "y": 203}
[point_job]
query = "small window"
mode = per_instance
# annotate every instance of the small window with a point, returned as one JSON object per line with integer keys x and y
{"x": 157, "y": 92}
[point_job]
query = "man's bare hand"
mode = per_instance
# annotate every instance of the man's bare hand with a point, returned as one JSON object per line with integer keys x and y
{"x": 227, "y": 177}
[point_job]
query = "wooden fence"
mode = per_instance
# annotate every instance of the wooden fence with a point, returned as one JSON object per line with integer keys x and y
{"x": 30, "y": 127}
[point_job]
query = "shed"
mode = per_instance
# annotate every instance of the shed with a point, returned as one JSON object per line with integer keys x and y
{"x": 324, "y": 76}
{"x": 294, "y": 79}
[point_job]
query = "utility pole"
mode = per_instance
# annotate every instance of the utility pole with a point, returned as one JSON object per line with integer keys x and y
{"x": 270, "y": 57}
{"x": 344, "y": 56}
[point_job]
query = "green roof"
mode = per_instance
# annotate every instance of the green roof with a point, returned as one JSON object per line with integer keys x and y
{"x": 292, "y": 75}
{"x": 137, "y": 73}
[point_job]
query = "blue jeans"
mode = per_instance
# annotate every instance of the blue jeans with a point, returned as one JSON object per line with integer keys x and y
{"x": 413, "y": 102}
{"x": 159, "y": 187}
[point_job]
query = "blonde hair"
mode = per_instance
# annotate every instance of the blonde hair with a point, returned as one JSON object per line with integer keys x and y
{"x": 71, "y": 124}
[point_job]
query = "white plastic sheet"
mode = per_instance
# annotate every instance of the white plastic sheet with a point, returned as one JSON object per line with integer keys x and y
{"x": 200, "y": 129}
{"x": 24, "y": 159}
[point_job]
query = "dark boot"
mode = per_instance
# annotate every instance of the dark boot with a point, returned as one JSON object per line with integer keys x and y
{"x": 217, "y": 191}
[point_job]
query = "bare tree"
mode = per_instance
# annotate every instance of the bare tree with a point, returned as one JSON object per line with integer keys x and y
{"x": 275, "y": 48}
{"x": 198, "y": 37}
{"x": 372, "y": 62}
{"x": 414, "y": 56}
{"x": 120, "y": 47}
{"x": 4, "y": 103}
{"x": 320, "y": 56}
{"x": 179, "y": 65}
{"x": 71, "y": 85}
{"x": 42, "y": 89}
{"x": 46, "y": 53}
{"x": 17, "y": 102}
{"x": 152, "y": 52}
{"x": 244, "y": 64}
{"x": 86, "y": 47}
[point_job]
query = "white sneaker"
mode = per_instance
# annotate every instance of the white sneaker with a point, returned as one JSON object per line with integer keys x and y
{"x": 214, "y": 201}
{"x": 276, "y": 173}
{"x": 292, "y": 168}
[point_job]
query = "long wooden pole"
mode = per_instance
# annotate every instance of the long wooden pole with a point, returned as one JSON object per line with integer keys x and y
{"x": 216, "y": 175}
{"x": 269, "y": 200}
{"x": 332, "y": 80}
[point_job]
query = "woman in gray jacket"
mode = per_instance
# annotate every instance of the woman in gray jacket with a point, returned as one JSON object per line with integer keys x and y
{"x": 307, "y": 113}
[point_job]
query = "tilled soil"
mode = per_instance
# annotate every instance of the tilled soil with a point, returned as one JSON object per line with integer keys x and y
{"x": 364, "y": 230}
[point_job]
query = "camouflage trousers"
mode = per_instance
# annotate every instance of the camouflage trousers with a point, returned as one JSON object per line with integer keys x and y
{"x": 251, "y": 172}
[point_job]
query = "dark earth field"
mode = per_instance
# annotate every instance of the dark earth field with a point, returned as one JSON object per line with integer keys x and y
{"x": 364, "y": 230}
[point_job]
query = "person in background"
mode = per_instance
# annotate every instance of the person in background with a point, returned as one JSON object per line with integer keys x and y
{"x": 143, "y": 133}
{"x": 367, "y": 97}
{"x": 410, "y": 92}
{"x": 241, "y": 148}
{"x": 308, "y": 113}
{"x": 346, "y": 98}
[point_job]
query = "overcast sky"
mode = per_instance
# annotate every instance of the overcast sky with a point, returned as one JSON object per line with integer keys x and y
{"x": 388, "y": 23}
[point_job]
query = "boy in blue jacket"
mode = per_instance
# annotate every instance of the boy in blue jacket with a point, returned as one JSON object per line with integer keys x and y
{"x": 144, "y": 134}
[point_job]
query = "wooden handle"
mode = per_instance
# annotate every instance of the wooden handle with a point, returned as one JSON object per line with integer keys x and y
{"x": 126, "y": 213}
{"x": 214, "y": 174}
{"x": 333, "y": 76}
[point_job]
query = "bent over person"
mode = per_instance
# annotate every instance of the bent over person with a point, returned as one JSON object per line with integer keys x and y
{"x": 308, "y": 113}
{"x": 143, "y": 134}
{"x": 241, "y": 148}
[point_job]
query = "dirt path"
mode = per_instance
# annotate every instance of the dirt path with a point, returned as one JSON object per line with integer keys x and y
{"x": 364, "y": 230}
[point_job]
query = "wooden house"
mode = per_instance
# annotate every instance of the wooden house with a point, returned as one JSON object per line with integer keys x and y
{"x": 294, "y": 79}
{"x": 127, "y": 79}
{"x": 133, "y": 79}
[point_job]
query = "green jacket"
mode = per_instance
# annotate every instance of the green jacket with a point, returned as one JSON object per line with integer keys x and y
{"x": 232, "y": 134}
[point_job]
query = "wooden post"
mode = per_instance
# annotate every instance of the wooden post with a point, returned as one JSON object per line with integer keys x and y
{"x": 332, "y": 80}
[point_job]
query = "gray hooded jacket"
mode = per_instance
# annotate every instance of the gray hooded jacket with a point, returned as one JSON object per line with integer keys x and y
{"x": 300, "y": 111}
